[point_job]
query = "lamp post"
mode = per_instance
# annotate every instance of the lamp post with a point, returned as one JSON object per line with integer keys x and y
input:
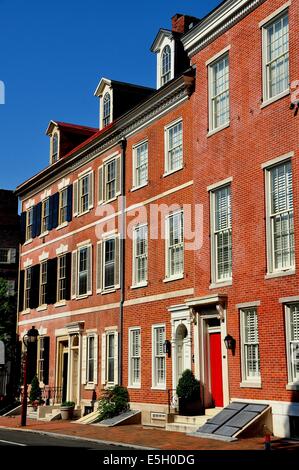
{"x": 29, "y": 338}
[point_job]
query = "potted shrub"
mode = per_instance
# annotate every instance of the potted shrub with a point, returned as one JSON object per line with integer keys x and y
{"x": 114, "y": 401}
{"x": 35, "y": 393}
{"x": 66, "y": 409}
{"x": 188, "y": 392}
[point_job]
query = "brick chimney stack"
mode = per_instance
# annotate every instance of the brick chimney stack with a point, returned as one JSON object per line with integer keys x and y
{"x": 182, "y": 23}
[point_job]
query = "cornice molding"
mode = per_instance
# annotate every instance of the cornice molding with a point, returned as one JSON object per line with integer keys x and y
{"x": 215, "y": 24}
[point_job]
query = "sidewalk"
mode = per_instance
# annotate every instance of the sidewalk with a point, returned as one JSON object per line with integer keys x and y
{"x": 146, "y": 437}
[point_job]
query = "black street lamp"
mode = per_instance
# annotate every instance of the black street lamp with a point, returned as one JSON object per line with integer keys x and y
{"x": 29, "y": 338}
{"x": 230, "y": 342}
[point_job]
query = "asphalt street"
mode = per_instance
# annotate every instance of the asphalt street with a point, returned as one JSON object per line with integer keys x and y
{"x": 16, "y": 438}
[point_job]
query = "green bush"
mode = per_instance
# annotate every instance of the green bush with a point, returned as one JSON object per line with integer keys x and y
{"x": 35, "y": 391}
{"x": 188, "y": 386}
{"x": 115, "y": 400}
{"x": 68, "y": 403}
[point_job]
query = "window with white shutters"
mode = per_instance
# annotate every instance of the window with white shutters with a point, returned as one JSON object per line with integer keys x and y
{"x": 83, "y": 194}
{"x": 61, "y": 278}
{"x": 135, "y": 358}
{"x": 276, "y": 56}
{"x": 222, "y": 234}
{"x": 159, "y": 361}
{"x": 219, "y": 93}
{"x": 175, "y": 245}
{"x": 110, "y": 357}
{"x": 140, "y": 160}
{"x": 90, "y": 358}
{"x": 292, "y": 312}
{"x": 111, "y": 268}
{"x": 109, "y": 176}
{"x": 174, "y": 147}
{"x": 281, "y": 218}
{"x": 84, "y": 271}
{"x": 140, "y": 251}
{"x": 250, "y": 339}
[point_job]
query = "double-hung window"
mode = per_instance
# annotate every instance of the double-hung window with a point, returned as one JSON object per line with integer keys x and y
{"x": 81, "y": 284}
{"x": 8, "y": 255}
{"x": 219, "y": 93}
{"x": 292, "y": 330}
{"x": 276, "y": 56}
{"x": 29, "y": 223}
{"x": 82, "y": 270}
{"x": 84, "y": 190}
{"x": 106, "y": 109}
{"x": 175, "y": 245}
{"x": 165, "y": 65}
{"x": 221, "y": 234}
{"x": 109, "y": 179}
{"x": 159, "y": 361}
{"x": 54, "y": 148}
{"x": 174, "y": 147}
{"x": 82, "y": 194}
{"x": 140, "y": 170}
{"x": 90, "y": 358}
{"x": 109, "y": 263}
{"x": 45, "y": 215}
{"x": 43, "y": 283}
{"x": 28, "y": 278}
{"x": 140, "y": 251}
{"x": 110, "y": 356}
{"x": 135, "y": 357}
{"x": 63, "y": 206}
{"x": 280, "y": 217}
{"x": 250, "y": 346}
{"x": 61, "y": 278}
{"x": 108, "y": 267}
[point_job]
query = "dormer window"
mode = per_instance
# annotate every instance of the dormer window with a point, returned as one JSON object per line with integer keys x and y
{"x": 106, "y": 109}
{"x": 166, "y": 65}
{"x": 54, "y": 153}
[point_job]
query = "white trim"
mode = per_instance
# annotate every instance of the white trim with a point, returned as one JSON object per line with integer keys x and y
{"x": 154, "y": 386}
{"x": 285, "y": 300}
{"x": 143, "y": 283}
{"x": 84, "y": 172}
{"x": 46, "y": 194}
{"x": 27, "y": 263}
{"x": 61, "y": 303}
{"x": 134, "y": 162}
{"x": 218, "y": 55}
{"x": 64, "y": 183}
{"x": 112, "y": 156}
{"x": 287, "y": 312}
{"x": 62, "y": 249}
{"x": 255, "y": 303}
{"x": 29, "y": 204}
{"x": 274, "y": 14}
{"x": 85, "y": 242}
{"x": 275, "y": 161}
{"x": 217, "y": 285}
{"x": 275, "y": 98}
{"x": 253, "y": 382}
{"x": 44, "y": 256}
{"x": 166, "y": 146}
{"x": 130, "y": 383}
{"x": 218, "y": 129}
{"x": 217, "y": 185}
{"x": 287, "y": 272}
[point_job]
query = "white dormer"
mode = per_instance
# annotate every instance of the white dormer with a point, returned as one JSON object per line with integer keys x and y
{"x": 164, "y": 47}
{"x": 104, "y": 92}
{"x": 54, "y": 134}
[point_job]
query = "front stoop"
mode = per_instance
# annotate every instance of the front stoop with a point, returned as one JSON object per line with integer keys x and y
{"x": 189, "y": 424}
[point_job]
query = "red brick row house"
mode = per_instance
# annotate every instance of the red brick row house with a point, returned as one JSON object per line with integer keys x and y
{"x": 172, "y": 227}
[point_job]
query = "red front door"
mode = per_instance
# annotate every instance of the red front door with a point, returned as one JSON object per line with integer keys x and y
{"x": 216, "y": 369}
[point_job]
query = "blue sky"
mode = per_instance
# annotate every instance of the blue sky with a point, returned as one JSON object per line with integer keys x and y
{"x": 52, "y": 56}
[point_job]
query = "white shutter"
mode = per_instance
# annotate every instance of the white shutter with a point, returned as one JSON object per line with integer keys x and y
{"x": 84, "y": 360}
{"x": 96, "y": 358}
{"x": 90, "y": 190}
{"x": 101, "y": 184}
{"x": 103, "y": 359}
{"x": 89, "y": 270}
{"x": 116, "y": 358}
{"x": 118, "y": 176}
{"x": 74, "y": 274}
{"x": 167, "y": 273}
{"x": 75, "y": 198}
{"x": 117, "y": 262}
{"x": 99, "y": 267}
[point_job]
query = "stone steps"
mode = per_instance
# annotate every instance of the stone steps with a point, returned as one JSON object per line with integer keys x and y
{"x": 190, "y": 424}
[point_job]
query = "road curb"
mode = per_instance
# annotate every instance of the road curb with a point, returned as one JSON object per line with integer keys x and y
{"x": 78, "y": 438}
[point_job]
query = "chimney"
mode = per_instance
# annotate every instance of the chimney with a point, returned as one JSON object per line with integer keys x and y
{"x": 182, "y": 23}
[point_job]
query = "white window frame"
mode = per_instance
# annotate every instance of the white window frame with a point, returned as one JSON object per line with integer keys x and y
{"x": 137, "y": 185}
{"x": 271, "y": 270}
{"x": 247, "y": 380}
{"x": 216, "y": 280}
{"x": 27, "y": 288}
{"x": 11, "y": 255}
{"x": 167, "y": 153}
{"x": 211, "y": 74}
{"x": 104, "y": 116}
{"x": 155, "y": 384}
{"x": 61, "y": 278}
{"x": 102, "y": 178}
{"x": 29, "y": 218}
{"x": 88, "y": 271}
{"x": 291, "y": 381}
{"x": 57, "y": 134}
{"x": 165, "y": 77}
{"x": 77, "y": 193}
{"x": 116, "y": 285}
{"x": 110, "y": 334}
{"x": 109, "y": 331}
{"x": 265, "y": 25}
{"x": 143, "y": 282}
{"x": 168, "y": 275}
{"x": 45, "y": 216}
{"x": 167, "y": 41}
{"x": 43, "y": 283}
{"x": 88, "y": 358}
{"x": 131, "y": 382}
{"x": 63, "y": 208}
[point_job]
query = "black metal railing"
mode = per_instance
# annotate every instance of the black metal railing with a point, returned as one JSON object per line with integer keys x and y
{"x": 51, "y": 395}
{"x": 173, "y": 401}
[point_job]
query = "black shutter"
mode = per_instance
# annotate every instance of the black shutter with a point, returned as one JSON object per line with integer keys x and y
{"x": 69, "y": 203}
{"x": 23, "y": 227}
{"x": 54, "y": 206}
{"x": 51, "y": 281}
{"x": 46, "y": 340}
{"x": 68, "y": 276}
{"x": 37, "y": 220}
{"x": 34, "y": 291}
{"x": 21, "y": 291}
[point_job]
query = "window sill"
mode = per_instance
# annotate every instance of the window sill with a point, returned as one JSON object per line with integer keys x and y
{"x": 90, "y": 386}
{"x": 247, "y": 384}
{"x": 159, "y": 388}
{"x": 61, "y": 303}
{"x": 108, "y": 291}
{"x": 63, "y": 225}
{"x": 41, "y": 308}
{"x": 135, "y": 387}
{"x": 289, "y": 272}
{"x": 275, "y": 98}
{"x": 292, "y": 386}
{"x": 103, "y": 203}
{"x": 168, "y": 173}
{"x": 135, "y": 188}
{"x": 28, "y": 241}
{"x": 218, "y": 129}
{"x": 44, "y": 234}
{"x": 174, "y": 278}
{"x": 216, "y": 285}
{"x": 83, "y": 296}
{"x": 25, "y": 312}
{"x": 138, "y": 286}
{"x": 83, "y": 213}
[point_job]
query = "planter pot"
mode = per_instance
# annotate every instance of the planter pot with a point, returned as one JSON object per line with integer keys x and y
{"x": 190, "y": 407}
{"x": 66, "y": 412}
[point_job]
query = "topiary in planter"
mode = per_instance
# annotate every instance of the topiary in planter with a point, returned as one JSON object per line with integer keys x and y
{"x": 35, "y": 392}
{"x": 67, "y": 409}
{"x": 188, "y": 392}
